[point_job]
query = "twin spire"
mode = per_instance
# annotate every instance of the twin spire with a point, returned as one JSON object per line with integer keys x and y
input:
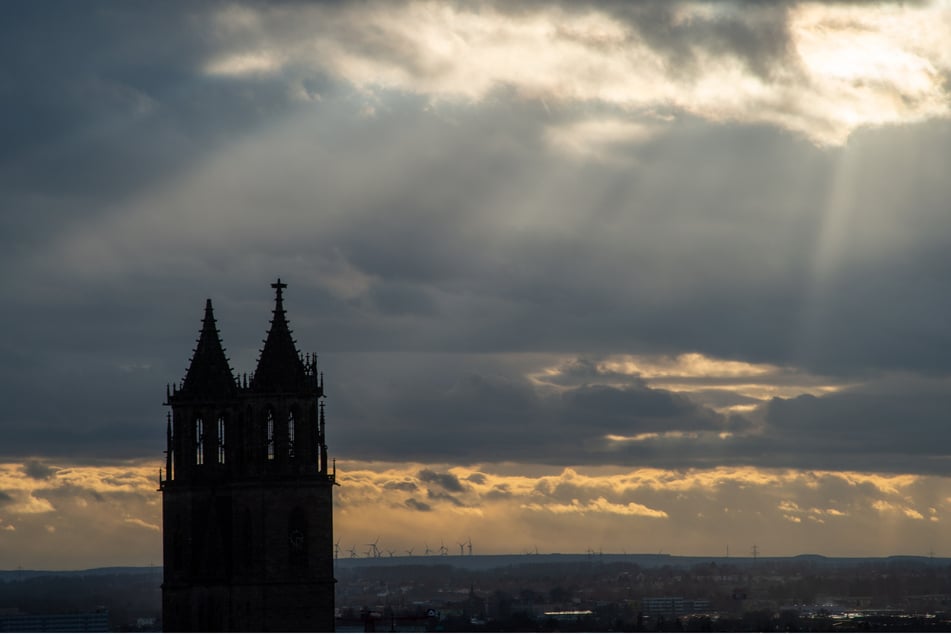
{"x": 279, "y": 369}
{"x": 209, "y": 373}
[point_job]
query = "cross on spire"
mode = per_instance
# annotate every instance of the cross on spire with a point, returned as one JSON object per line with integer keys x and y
{"x": 280, "y": 367}
{"x": 279, "y": 286}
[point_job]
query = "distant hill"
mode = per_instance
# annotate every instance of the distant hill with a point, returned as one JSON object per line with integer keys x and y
{"x": 16, "y": 575}
{"x": 488, "y": 562}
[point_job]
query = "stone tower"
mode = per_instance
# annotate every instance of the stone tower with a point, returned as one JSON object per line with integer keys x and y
{"x": 247, "y": 493}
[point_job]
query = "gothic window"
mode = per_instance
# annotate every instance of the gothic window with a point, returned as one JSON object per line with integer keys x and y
{"x": 270, "y": 435}
{"x": 291, "y": 433}
{"x": 199, "y": 441}
{"x": 221, "y": 440}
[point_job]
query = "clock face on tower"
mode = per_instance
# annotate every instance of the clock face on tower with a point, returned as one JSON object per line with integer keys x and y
{"x": 296, "y": 539}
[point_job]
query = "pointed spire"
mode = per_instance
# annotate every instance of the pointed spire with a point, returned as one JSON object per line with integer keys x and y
{"x": 209, "y": 374}
{"x": 280, "y": 368}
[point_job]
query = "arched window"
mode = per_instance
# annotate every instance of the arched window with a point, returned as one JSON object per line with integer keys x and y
{"x": 221, "y": 440}
{"x": 270, "y": 435}
{"x": 199, "y": 441}
{"x": 291, "y": 433}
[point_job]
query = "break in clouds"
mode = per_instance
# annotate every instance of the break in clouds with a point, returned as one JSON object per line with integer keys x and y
{"x": 678, "y": 236}
{"x": 89, "y": 516}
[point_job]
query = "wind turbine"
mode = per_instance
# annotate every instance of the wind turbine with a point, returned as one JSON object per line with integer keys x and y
{"x": 462, "y": 548}
{"x": 337, "y": 549}
{"x": 353, "y": 552}
{"x": 469, "y": 544}
{"x": 409, "y": 553}
{"x": 443, "y": 551}
{"x": 428, "y": 550}
{"x": 374, "y": 550}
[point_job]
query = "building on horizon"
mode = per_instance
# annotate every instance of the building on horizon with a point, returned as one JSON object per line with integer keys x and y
{"x": 247, "y": 491}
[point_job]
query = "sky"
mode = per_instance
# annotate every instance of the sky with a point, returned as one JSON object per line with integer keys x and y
{"x": 622, "y": 276}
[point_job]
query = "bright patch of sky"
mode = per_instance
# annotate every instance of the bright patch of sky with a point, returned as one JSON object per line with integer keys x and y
{"x": 843, "y": 67}
{"x": 80, "y": 516}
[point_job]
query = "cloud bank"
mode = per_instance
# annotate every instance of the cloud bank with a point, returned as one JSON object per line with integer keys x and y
{"x": 630, "y": 236}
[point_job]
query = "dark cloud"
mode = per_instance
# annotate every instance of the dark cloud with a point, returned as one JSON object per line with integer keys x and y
{"x": 434, "y": 247}
{"x": 416, "y": 505}
{"x": 103, "y": 102}
{"x": 476, "y": 417}
{"x": 587, "y": 371}
{"x": 619, "y": 408}
{"x": 401, "y": 486}
{"x": 755, "y": 34}
{"x": 499, "y": 492}
{"x": 37, "y": 470}
{"x": 5, "y": 498}
{"x": 891, "y": 423}
{"x": 548, "y": 299}
{"x": 444, "y": 497}
{"x": 898, "y": 422}
{"x": 718, "y": 398}
{"x": 57, "y": 492}
{"x": 447, "y": 481}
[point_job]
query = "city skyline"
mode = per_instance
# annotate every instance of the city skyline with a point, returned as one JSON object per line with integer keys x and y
{"x": 628, "y": 277}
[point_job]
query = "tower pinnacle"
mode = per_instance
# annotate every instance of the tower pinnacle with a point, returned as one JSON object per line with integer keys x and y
{"x": 209, "y": 373}
{"x": 280, "y": 368}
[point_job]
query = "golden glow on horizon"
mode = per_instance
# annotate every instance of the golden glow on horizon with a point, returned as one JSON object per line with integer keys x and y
{"x": 88, "y": 516}
{"x": 77, "y": 516}
{"x": 600, "y": 505}
{"x": 804, "y": 511}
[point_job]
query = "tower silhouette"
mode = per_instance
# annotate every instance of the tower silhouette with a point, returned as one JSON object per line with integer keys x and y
{"x": 247, "y": 492}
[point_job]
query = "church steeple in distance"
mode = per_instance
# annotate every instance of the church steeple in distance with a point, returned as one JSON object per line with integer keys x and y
{"x": 247, "y": 493}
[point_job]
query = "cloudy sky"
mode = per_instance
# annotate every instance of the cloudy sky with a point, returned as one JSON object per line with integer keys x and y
{"x": 631, "y": 276}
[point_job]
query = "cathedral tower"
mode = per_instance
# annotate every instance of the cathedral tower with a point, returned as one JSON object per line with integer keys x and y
{"x": 247, "y": 493}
